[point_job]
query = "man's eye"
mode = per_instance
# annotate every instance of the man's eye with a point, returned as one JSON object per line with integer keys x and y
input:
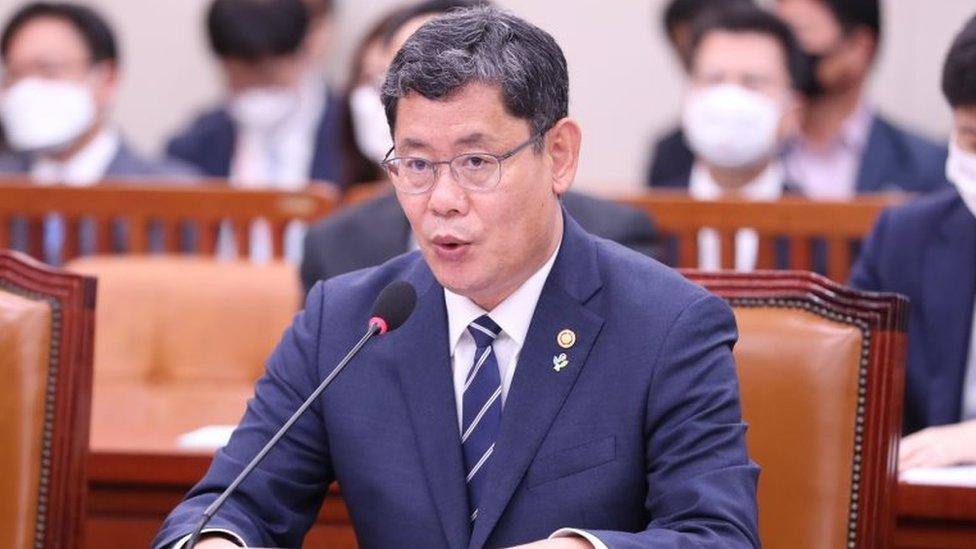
{"x": 416, "y": 164}
{"x": 476, "y": 162}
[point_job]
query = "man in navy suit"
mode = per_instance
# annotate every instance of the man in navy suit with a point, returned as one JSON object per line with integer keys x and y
{"x": 926, "y": 250}
{"x": 281, "y": 124}
{"x": 551, "y": 388}
{"x": 846, "y": 147}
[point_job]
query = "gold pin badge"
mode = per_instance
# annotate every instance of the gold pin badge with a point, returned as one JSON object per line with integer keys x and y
{"x": 559, "y": 362}
{"x": 566, "y": 338}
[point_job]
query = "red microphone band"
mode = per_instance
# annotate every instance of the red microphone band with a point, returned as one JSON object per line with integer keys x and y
{"x": 379, "y": 323}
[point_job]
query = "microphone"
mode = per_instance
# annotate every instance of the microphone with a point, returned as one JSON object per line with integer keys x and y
{"x": 390, "y": 310}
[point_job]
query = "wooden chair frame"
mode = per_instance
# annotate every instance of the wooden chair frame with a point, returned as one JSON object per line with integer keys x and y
{"x": 67, "y": 407}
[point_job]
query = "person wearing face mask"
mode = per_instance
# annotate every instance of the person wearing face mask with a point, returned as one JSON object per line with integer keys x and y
{"x": 59, "y": 82}
{"x": 746, "y": 70}
{"x": 670, "y": 158}
{"x": 845, "y": 147}
{"x": 372, "y": 232}
{"x": 926, "y": 250}
{"x": 279, "y": 126}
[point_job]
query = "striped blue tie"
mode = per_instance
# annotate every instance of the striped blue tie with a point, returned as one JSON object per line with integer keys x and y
{"x": 482, "y": 410}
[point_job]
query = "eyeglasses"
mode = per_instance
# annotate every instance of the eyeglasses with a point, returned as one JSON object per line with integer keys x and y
{"x": 472, "y": 171}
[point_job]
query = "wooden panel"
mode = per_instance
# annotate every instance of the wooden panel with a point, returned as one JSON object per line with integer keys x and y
{"x": 140, "y": 203}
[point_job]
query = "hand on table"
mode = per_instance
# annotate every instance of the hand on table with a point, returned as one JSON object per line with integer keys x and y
{"x": 939, "y": 446}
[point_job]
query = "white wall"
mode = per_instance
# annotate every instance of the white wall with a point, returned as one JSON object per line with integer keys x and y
{"x": 625, "y": 87}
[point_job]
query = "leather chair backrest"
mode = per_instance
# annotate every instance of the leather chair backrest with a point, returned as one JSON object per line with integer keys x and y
{"x": 799, "y": 376}
{"x": 25, "y": 341}
{"x": 169, "y": 319}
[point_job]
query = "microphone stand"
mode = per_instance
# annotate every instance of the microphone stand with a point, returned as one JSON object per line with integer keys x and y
{"x": 208, "y": 513}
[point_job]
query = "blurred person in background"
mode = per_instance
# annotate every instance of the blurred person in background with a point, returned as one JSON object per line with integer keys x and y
{"x": 671, "y": 159}
{"x": 365, "y": 134}
{"x": 926, "y": 250}
{"x": 279, "y": 125}
{"x": 846, "y": 147}
{"x": 374, "y": 231}
{"x": 60, "y": 78}
{"x": 744, "y": 102}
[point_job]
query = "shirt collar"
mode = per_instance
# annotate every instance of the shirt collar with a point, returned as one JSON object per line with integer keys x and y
{"x": 768, "y": 185}
{"x": 86, "y": 167}
{"x": 513, "y": 315}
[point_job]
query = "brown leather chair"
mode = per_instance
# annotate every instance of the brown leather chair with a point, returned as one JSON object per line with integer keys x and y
{"x": 46, "y": 330}
{"x": 181, "y": 340}
{"x": 821, "y": 372}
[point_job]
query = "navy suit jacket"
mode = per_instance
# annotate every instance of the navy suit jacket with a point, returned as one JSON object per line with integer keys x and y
{"x": 893, "y": 159}
{"x": 926, "y": 250}
{"x": 208, "y": 143}
{"x": 370, "y": 233}
{"x": 638, "y": 440}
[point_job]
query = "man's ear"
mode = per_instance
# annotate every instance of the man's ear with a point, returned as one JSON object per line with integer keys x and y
{"x": 106, "y": 83}
{"x": 562, "y": 146}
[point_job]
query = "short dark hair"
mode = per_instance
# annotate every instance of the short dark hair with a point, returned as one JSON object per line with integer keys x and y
{"x": 485, "y": 45}
{"x": 857, "y": 13}
{"x": 93, "y": 29}
{"x": 751, "y": 19}
{"x": 959, "y": 70}
{"x": 255, "y": 29}
{"x": 427, "y": 7}
{"x": 684, "y": 12}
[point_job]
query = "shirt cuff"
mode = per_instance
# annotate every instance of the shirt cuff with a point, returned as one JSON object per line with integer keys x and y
{"x": 233, "y": 537}
{"x": 573, "y": 532}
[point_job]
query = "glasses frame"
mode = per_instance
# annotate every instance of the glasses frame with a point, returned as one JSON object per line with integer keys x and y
{"x": 435, "y": 167}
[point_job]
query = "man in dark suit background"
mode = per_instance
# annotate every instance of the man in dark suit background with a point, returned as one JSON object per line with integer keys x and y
{"x": 371, "y": 233}
{"x": 926, "y": 250}
{"x": 550, "y": 388}
{"x": 845, "y": 147}
{"x": 671, "y": 158}
{"x": 280, "y": 125}
{"x": 61, "y": 71}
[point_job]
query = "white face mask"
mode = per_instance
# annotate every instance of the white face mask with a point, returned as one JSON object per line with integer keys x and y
{"x": 369, "y": 125}
{"x": 263, "y": 108}
{"x": 43, "y": 115}
{"x": 961, "y": 171}
{"x": 730, "y": 126}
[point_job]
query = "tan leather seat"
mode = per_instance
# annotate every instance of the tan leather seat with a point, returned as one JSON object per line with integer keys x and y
{"x": 820, "y": 372}
{"x": 181, "y": 341}
{"x": 25, "y": 337}
{"x": 45, "y": 364}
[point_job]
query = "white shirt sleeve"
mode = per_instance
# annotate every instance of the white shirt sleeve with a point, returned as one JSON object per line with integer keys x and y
{"x": 571, "y": 532}
{"x": 236, "y": 539}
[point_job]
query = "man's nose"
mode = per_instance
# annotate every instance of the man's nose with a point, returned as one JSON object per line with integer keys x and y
{"x": 447, "y": 197}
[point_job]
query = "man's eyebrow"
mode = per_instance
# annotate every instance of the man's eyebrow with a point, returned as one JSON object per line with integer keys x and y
{"x": 476, "y": 138}
{"x": 410, "y": 143}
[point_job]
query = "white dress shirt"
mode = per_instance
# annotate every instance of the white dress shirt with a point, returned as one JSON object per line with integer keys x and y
{"x": 767, "y": 186}
{"x": 85, "y": 168}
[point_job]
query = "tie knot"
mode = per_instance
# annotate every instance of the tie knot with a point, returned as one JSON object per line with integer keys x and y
{"x": 484, "y": 331}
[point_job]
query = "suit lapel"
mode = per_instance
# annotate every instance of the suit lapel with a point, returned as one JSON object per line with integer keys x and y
{"x": 538, "y": 390}
{"x": 949, "y": 283}
{"x": 874, "y": 159}
{"x": 426, "y": 380}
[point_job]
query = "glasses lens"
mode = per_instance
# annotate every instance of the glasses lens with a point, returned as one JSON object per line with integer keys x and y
{"x": 410, "y": 174}
{"x": 476, "y": 171}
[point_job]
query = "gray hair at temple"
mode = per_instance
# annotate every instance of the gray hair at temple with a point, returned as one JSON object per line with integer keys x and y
{"x": 484, "y": 45}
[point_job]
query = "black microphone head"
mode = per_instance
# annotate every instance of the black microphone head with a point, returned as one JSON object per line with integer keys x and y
{"x": 393, "y": 306}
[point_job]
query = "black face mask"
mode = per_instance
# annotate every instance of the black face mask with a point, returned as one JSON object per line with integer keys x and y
{"x": 813, "y": 87}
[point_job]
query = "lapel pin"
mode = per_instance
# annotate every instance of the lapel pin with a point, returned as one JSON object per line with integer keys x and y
{"x": 559, "y": 362}
{"x": 566, "y": 338}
